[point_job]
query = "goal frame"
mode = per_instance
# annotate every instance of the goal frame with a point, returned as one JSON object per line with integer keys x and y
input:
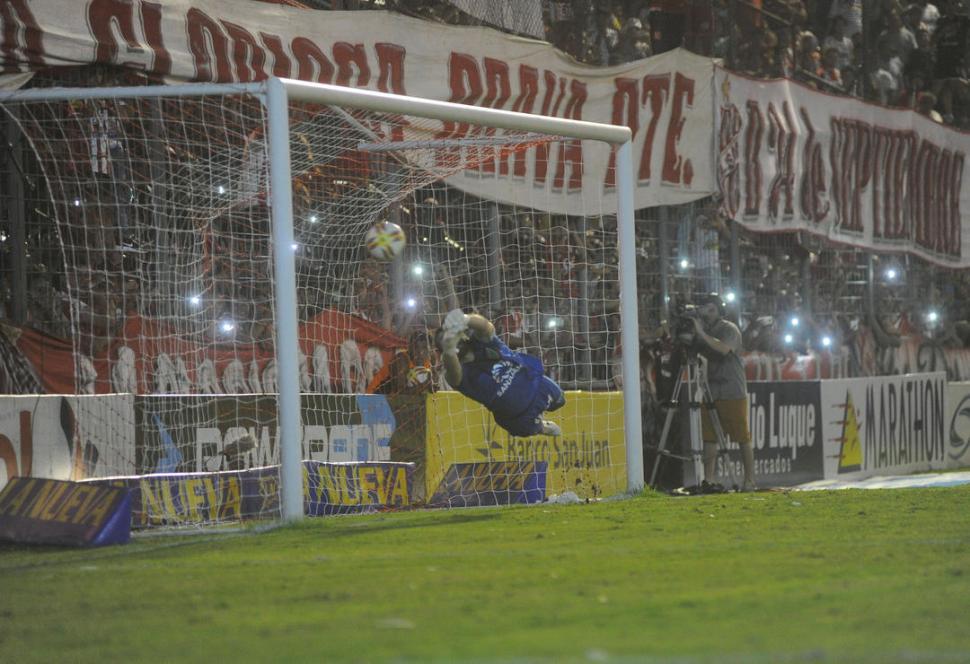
{"x": 275, "y": 94}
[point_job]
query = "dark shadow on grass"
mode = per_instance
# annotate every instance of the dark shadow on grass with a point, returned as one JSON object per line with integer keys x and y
{"x": 45, "y": 555}
{"x": 377, "y": 524}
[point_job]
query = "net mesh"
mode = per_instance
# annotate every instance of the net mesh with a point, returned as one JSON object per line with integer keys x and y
{"x": 162, "y": 286}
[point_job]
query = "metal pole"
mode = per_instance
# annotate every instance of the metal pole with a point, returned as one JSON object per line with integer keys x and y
{"x": 630, "y": 327}
{"x": 355, "y": 98}
{"x": 16, "y": 205}
{"x": 870, "y": 285}
{"x": 806, "y": 275}
{"x": 584, "y": 375}
{"x": 441, "y": 110}
{"x": 397, "y": 272}
{"x": 664, "y": 242}
{"x": 163, "y": 269}
{"x": 493, "y": 259}
{"x": 133, "y": 92}
{"x": 287, "y": 340}
{"x": 736, "y": 271}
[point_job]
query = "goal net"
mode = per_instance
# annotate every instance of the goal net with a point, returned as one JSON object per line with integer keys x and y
{"x": 221, "y": 315}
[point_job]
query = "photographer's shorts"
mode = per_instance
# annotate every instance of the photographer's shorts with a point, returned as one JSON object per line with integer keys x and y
{"x": 733, "y": 414}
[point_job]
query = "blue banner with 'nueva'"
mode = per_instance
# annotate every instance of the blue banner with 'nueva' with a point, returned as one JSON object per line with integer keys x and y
{"x": 35, "y": 510}
{"x": 217, "y": 497}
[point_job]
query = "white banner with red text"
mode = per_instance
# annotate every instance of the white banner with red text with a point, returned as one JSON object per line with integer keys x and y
{"x": 666, "y": 100}
{"x": 791, "y": 158}
{"x": 337, "y": 353}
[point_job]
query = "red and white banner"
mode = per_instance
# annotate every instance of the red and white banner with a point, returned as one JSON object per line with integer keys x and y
{"x": 338, "y": 353}
{"x": 862, "y": 356}
{"x": 792, "y": 158}
{"x": 666, "y": 100}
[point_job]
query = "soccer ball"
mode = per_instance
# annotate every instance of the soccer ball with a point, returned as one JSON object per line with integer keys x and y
{"x": 385, "y": 240}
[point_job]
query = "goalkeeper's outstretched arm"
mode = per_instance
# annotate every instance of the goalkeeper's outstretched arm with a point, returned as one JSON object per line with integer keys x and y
{"x": 452, "y": 364}
{"x": 457, "y": 326}
{"x": 481, "y": 327}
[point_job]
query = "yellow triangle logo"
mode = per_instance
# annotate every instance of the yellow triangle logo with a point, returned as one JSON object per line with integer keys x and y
{"x": 850, "y": 456}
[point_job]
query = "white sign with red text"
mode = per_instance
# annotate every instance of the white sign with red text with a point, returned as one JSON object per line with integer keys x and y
{"x": 666, "y": 100}
{"x": 792, "y": 158}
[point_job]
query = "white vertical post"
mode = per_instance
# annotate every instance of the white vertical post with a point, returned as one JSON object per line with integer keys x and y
{"x": 629, "y": 317}
{"x": 287, "y": 341}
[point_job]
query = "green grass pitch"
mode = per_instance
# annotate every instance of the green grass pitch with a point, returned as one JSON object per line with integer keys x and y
{"x": 840, "y": 576}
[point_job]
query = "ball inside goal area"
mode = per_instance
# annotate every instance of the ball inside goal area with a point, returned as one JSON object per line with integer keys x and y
{"x": 385, "y": 240}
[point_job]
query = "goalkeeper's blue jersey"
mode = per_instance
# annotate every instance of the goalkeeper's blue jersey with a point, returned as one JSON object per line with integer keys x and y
{"x": 503, "y": 380}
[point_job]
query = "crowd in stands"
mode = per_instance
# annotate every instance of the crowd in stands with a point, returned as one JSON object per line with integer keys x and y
{"x": 559, "y": 288}
{"x": 901, "y": 54}
{"x": 896, "y": 53}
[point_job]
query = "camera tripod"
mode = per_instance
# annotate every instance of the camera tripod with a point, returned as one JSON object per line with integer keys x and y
{"x": 691, "y": 379}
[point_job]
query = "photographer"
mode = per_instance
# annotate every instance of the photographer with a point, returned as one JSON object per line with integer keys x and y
{"x": 719, "y": 341}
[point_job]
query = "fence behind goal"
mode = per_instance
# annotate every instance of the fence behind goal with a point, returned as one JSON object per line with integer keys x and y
{"x": 210, "y": 260}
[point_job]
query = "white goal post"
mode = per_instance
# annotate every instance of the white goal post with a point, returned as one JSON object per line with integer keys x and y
{"x": 277, "y": 97}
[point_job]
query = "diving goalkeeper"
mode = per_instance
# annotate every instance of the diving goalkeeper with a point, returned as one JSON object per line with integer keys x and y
{"x": 511, "y": 385}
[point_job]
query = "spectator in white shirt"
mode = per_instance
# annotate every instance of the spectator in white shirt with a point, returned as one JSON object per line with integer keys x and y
{"x": 841, "y": 42}
{"x": 851, "y": 12}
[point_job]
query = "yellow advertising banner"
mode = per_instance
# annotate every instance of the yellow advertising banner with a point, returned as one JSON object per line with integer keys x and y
{"x": 589, "y": 458}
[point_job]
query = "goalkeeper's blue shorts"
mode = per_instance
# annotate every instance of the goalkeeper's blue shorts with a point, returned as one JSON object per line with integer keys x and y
{"x": 549, "y": 397}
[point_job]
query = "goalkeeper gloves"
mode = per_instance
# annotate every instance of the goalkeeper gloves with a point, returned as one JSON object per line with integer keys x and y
{"x": 455, "y": 322}
{"x": 449, "y": 342}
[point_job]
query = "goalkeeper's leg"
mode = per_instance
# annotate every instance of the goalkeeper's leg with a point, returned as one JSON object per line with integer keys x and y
{"x": 530, "y": 423}
{"x": 556, "y": 397}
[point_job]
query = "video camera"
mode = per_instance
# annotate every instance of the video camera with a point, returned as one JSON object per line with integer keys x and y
{"x": 683, "y": 327}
